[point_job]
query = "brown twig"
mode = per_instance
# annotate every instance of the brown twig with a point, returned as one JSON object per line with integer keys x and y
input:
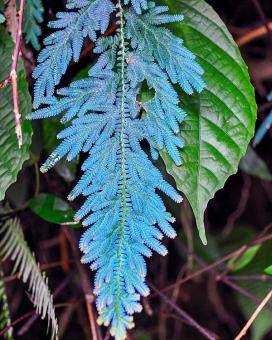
{"x": 253, "y": 35}
{"x": 243, "y": 292}
{"x": 233, "y": 263}
{"x": 254, "y": 316}
{"x": 89, "y": 298}
{"x": 44, "y": 266}
{"x": 226, "y": 281}
{"x": 207, "y": 334}
{"x": 91, "y": 46}
{"x": 211, "y": 267}
{"x": 263, "y": 278}
{"x": 13, "y": 76}
{"x": 64, "y": 252}
{"x": 201, "y": 271}
{"x": 14, "y": 323}
{"x": 262, "y": 15}
{"x": 217, "y": 303}
{"x": 29, "y": 314}
{"x": 25, "y": 328}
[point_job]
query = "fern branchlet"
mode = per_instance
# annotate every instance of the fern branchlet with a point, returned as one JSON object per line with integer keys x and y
{"x": 13, "y": 245}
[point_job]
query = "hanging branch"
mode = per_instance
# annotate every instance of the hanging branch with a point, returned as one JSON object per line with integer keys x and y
{"x": 13, "y": 76}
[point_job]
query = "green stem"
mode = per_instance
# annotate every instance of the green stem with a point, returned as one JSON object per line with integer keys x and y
{"x": 123, "y": 158}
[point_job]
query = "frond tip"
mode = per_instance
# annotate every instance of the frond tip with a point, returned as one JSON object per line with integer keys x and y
{"x": 124, "y": 213}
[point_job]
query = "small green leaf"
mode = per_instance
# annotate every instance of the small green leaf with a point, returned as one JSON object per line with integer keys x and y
{"x": 253, "y": 165}
{"x": 247, "y": 257}
{"x": 268, "y": 270}
{"x": 53, "y": 209}
{"x": 11, "y": 157}
{"x": 220, "y": 121}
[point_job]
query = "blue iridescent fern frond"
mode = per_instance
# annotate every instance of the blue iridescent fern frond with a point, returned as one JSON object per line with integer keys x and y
{"x": 124, "y": 214}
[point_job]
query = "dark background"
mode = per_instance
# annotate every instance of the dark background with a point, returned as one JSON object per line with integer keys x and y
{"x": 236, "y": 215}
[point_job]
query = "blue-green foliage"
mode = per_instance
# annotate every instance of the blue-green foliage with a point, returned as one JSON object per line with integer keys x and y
{"x": 125, "y": 216}
{"x": 33, "y": 17}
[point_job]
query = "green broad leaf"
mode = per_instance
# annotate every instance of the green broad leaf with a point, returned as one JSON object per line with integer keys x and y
{"x": 247, "y": 257}
{"x": 53, "y": 209}
{"x": 268, "y": 270}
{"x": 253, "y": 165}
{"x": 11, "y": 157}
{"x": 220, "y": 121}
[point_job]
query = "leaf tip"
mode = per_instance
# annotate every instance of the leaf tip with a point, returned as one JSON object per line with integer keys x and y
{"x": 201, "y": 230}
{"x": 203, "y": 238}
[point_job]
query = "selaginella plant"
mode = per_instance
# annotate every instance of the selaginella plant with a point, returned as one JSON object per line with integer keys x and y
{"x": 109, "y": 118}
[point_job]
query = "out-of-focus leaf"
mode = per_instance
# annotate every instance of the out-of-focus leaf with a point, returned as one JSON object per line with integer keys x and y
{"x": 253, "y": 165}
{"x": 268, "y": 270}
{"x": 83, "y": 73}
{"x": 142, "y": 336}
{"x": 241, "y": 234}
{"x": 53, "y": 209}
{"x": 245, "y": 259}
{"x": 208, "y": 254}
{"x": 11, "y": 157}
{"x": 259, "y": 289}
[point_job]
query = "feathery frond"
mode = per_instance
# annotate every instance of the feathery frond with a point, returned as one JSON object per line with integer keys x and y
{"x": 124, "y": 213}
{"x": 4, "y": 308}
{"x": 13, "y": 245}
{"x": 138, "y": 5}
{"x": 33, "y": 17}
{"x": 65, "y": 44}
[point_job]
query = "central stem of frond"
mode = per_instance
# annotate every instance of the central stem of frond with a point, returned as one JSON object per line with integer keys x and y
{"x": 123, "y": 142}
